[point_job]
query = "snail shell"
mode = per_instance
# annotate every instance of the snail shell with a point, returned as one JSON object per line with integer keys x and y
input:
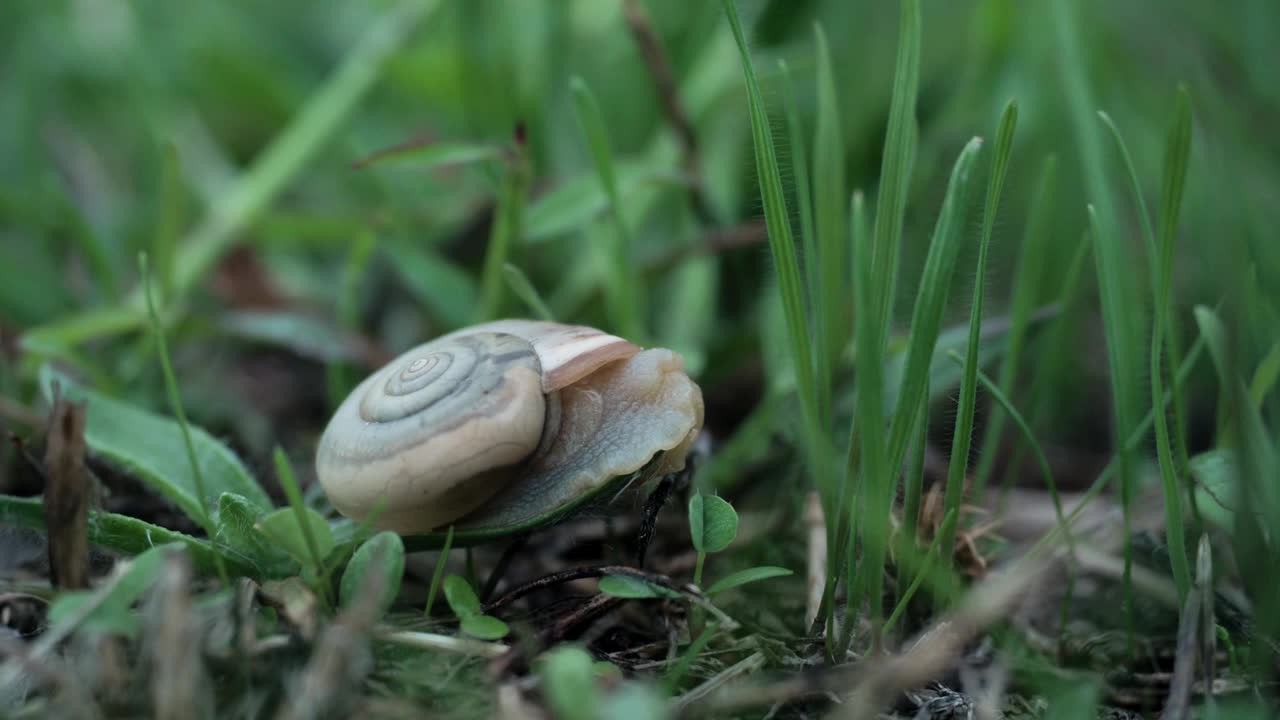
{"x": 503, "y": 425}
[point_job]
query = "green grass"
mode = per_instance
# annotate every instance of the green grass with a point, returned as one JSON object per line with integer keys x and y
{"x": 784, "y": 193}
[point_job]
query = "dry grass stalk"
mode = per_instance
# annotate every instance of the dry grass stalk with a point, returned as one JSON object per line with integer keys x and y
{"x": 66, "y": 495}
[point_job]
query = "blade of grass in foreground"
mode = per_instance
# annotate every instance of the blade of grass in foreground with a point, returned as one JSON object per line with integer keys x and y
{"x": 815, "y": 442}
{"x": 800, "y": 172}
{"x": 895, "y": 170}
{"x": 1177, "y": 150}
{"x": 829, "y": 201}
{"x": 782, "y": 247}
{"x": 963, "y": 435}
{"x": 1121, "y": 307}
{"x": 931, "y": 300}
{"x": 1033, "y": 261}
{"x": 876, "y": 483}
{"x": 878, "y": 470}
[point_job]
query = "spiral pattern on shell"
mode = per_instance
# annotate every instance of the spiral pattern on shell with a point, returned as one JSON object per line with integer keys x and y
{"x": 434, "y": 433}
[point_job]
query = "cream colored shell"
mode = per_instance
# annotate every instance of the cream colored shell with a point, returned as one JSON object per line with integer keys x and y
{"x": 501, "y": 424}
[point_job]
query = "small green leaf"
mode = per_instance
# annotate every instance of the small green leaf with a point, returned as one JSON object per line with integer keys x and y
{"x": 750, "y": 575}
{"x": 626, "y": 586}
{"x": 282, "y": 527}
{"x": 484, "y": 627}
{"x": 234, "y": 527}
{"x": 461, "y": 598}
{"x": 569, "y": 683}
{"x": 1217, "y": 485}
{"x": 150, "y": 447}
{"x": 713, "y": 523}
{"x": 379, "y": 560}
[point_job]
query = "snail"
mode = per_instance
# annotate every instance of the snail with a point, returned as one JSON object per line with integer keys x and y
{"x": 505, "y": 427}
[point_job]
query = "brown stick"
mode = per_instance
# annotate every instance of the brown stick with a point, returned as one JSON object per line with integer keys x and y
{"x": 66, "y": 495}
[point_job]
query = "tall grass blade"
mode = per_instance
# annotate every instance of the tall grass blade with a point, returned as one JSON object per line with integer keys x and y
{"x": 829, "y": 203}
{"x": 1033, "y": 263}
{"x": 506, "y": 234}
{"x": 963, "y": 436}
{"x": 1121, "y": 308}
{"x": 782, "y": 248}
{"x": 524, "y": 289}
{"x": 877, "y": 484}
{"x": 931, "y": 300}
{"x": 1121, "y": 339}
{"x": 798, "y": 145}
{"x": 175, "y": 401}
{"x": 1177, "y": 150}
{"x": 895, "y": 170}
{"x": 620, "y": 289}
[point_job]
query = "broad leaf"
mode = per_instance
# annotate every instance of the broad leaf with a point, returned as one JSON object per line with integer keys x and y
{"x": 380, "y": 561}
{"x": 461, "y": 598}
{"x": 713, "y": 523}
{"x": 150, "y": 447}
{"x": 282, "y": 527}
{"x": 484, "y": 627}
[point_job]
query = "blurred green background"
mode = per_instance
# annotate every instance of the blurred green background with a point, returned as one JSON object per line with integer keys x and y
{"x": 144, "y": 126}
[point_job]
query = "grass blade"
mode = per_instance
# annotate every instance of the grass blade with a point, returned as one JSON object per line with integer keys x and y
{"x": 1121, "y": 340}
{"x": 798, "y": 147}
{"x": 507, "y": 232}
{"x": 1177, "y": 151}
{"x": 524, "y": 289}
{"x": 829, "y": 201}
{"x": 1033, "y": 262}
{"x": 931, "y": 299}
{"x": 963, "y": 436}
{"x": 175, "y": 401}
{"x": 899, "y": 151}
{"x": 620, "y": 290}
{"x": 782, "y": 247}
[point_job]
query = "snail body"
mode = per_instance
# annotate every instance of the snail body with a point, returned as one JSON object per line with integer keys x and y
{"x": 504, "y": 426}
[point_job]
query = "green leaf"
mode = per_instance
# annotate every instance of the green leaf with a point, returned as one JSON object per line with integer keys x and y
{"x": 750, "y": 575}
{"x": 282, "y": 527}
{"x": 569, "y": 683}
{"x": 150, "y": 447}
{"x": 713, "y": 523}
{"x": 234, "y": 527}
{"x": 113, "y": 616}
{"x": 484, "y": 627}
{"x": 130, "y": 536}
{"x": 1217, "y": 476}
{"x": 633, "y": 588}
{"x": 379, "y": 560}
{"x": 461, "y": 598}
